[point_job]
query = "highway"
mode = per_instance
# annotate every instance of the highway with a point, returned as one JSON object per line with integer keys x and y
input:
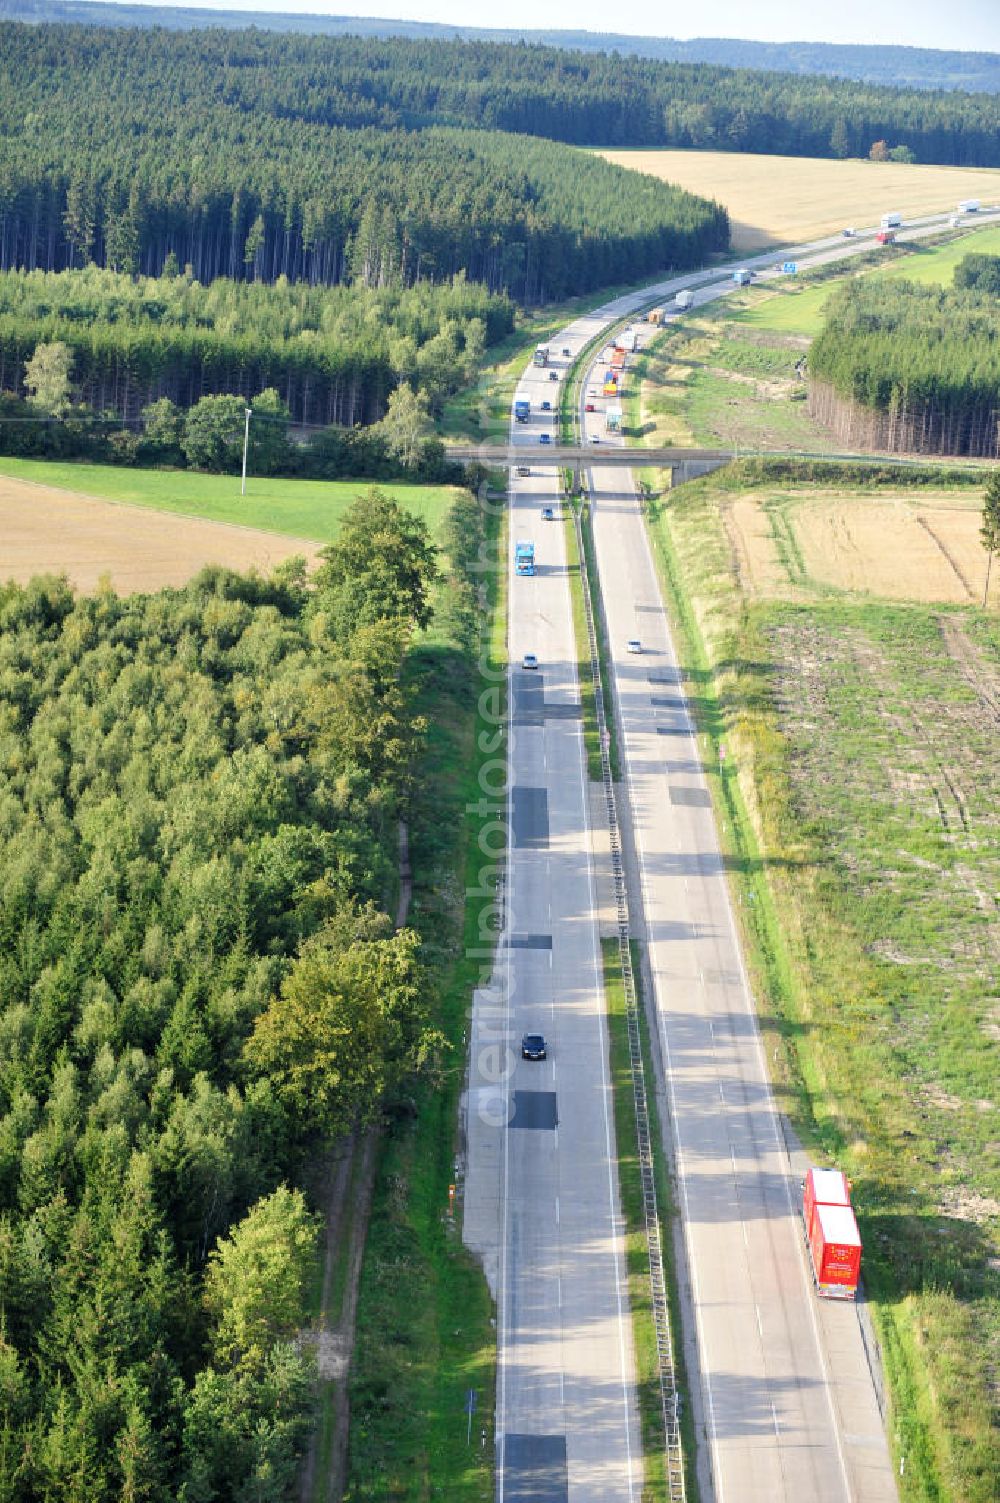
{"x": 541, "y": 1199}
{"x": 782, "y": 1398}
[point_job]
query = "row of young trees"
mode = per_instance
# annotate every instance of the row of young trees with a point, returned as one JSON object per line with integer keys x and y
{"x": 332, "y": 354}
{"x": 903, "y": 366}
{"x": 199, "y": 795}
{"x": 125, "y": 149}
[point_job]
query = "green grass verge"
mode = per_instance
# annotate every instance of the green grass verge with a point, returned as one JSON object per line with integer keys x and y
{"x": 797, "y": 307}
{"x": 308, "y": 509}
{"x": 591, "y": 735}
{"x": 424, "y": 1329}
{"x": 937, "y": 264}
{"x": 636, "y": 1252}
{"x": 603, "y": 654}
{"x": 869, "y": 952}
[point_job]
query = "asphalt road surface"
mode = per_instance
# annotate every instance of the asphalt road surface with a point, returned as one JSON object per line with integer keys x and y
{"x": 783, "y": 1395}
{"x": 541, "y": 1202}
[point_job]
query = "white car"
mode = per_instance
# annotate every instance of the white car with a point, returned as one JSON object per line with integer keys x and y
{"x": 595, "y": 438}
{"x": 529, "y": 661}
{"x": 633, "y": 644}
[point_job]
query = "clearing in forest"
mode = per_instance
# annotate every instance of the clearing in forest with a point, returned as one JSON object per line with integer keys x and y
{"x": 782, "y": 200}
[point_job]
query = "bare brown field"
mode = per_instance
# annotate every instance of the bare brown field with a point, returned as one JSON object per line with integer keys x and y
{"x": 894, "y": 547}
{"x": 44, "y": 530}
{"x": 775, "y": 200}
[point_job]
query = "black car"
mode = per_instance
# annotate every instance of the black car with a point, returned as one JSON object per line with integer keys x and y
{"x": 533, "y": 1046}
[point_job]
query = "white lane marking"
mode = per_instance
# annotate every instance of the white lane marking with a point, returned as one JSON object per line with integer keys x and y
{"x": 751, "y": 1013}
{"x": 760, "y": 1323}
{"x": 777, "y": 1427}
{"x": 557, "y": 1210}
{"x": 559, "y": 1290}
{"x": 604, "y": 1051}
{"x": 504, "y": 1312}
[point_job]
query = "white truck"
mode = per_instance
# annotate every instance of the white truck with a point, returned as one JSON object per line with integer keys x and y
{"x": 892, "y": 221}
{"x": 628, "y": 340}
{"x": 969, "y": 206}
{"x": 684, "y": 299}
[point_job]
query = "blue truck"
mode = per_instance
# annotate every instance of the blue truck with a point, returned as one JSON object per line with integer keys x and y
{"x": 524, "y": 557}
{"x": 522, "y": 410}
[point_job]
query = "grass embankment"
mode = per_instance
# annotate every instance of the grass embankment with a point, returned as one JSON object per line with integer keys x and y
{"x": 309, "y": 509}
{"x": 425, "y": 1334}
{"x": 636, "y": 1250}
{"x": 732, "y": 373}
{"x": 860, "y": 799}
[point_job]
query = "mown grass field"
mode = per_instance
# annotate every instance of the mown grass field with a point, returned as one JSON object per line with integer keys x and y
{"x": 863, "y": 807}
{"x": 782, "y": 200}
{"x": 309, "y": 509}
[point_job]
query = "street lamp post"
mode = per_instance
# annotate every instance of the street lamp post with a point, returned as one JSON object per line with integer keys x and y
{"x": 246, "y": 445}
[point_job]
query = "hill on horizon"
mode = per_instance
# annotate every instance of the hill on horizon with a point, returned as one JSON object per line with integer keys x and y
{"x": 905, "y": 67}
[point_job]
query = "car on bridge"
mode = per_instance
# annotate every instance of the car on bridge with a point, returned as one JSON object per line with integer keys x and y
{"x": 529, "y": 661}
{"x": 546, "y": 406}
{"x": 566, "y": 352}
{"x": 548, "y": 515}
{"x": 590, "y": 407}
{"x": 633, "y": 645}
{"x": 545, "y": 438}
{"x": 553, "y": 375}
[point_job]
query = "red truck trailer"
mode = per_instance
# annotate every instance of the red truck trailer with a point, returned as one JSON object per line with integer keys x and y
{"x": 836, "y": 1251}
{"x": 827, "y": 1187}
{"x": 885, "y": 237}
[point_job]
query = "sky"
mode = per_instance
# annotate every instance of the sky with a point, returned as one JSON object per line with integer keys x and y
{"x": 966, "y": 25}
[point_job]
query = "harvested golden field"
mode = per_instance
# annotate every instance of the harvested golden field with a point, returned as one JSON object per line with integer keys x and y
{"x": 775, "y": 200}
{"x": 896, "y": 547}
{"x": 44, "y": 530}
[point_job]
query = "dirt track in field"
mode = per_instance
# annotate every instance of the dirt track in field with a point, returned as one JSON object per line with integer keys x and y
{"x": 44, "y": 530}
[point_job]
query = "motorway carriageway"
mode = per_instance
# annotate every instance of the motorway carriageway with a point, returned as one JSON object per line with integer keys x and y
{"x": 782, "y": 1396}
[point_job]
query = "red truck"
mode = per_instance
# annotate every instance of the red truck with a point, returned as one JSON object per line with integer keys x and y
{"x": 885, "y": 237}
{"x": 832, "y": 1233}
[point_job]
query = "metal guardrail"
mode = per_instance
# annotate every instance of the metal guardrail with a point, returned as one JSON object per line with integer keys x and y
{"x": 669, "y": 1393}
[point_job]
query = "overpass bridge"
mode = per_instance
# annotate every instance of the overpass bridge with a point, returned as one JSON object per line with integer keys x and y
{"x": 685, "y": 464}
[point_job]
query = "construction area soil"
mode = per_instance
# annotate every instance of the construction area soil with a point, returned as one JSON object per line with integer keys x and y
{"x": 773, "y": 200}
{"x": 897, "y": 547}
{"x": 44, "y": 530}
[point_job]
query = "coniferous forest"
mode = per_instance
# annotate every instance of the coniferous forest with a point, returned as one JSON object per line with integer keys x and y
{"x": 199, "y": 795}
{"x": 905, "y": 366}
{"x": 256, "y": 156}
{"x": 333, "y": 354}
